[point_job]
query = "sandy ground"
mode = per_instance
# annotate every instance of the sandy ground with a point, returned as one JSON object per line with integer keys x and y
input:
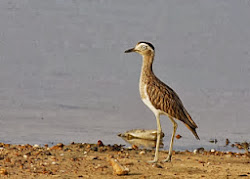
{"x": 93, "y": 161}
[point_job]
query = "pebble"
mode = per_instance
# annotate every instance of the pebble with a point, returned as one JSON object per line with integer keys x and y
{"x": 94, "y": 148}
{"x": 6, "y": 145}
{"x": 118, "y": 169}
{"x": 54, "y": 163}
{"x": 3, "y": 171}
{"x": 60, "y": 144}
{"x": 47, "y": 153}
{"x": 195, "y": 151}
{"x": 142, "y": 152}
{"x": 213, "y": 141}
{"x": 199, "y": 150}
{"x": 178, "y": 136}
{"x": 36, "y": 146}
{"x": 100, "y": 143}
{"x": 134, "y": 147}
{"x": 212, "y": 150}
{"x": 25, "y": 156}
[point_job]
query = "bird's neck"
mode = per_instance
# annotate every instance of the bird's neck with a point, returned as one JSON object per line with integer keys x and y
{"x": 147, "y": 70}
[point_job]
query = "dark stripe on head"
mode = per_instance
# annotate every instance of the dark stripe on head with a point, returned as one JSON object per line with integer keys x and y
{"x": 149, "y": 44}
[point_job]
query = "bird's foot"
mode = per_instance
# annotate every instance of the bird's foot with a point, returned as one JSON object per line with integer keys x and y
{"x": 168, "y": 159}
{"x": 153, "y": 161}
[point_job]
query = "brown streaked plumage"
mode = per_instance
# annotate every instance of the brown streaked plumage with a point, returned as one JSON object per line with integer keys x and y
{"x": 165, "y": 99}
{"x": 159, "y": 97}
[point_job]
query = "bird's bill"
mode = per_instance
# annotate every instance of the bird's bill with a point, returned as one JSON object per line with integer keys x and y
{"x": 130, "y": 50}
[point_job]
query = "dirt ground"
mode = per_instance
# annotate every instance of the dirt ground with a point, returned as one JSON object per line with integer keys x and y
{"x": 93, "y": 161}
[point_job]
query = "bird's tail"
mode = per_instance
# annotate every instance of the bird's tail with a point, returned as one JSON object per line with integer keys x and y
{"x": 193, "y": 130}
{"x": 191, "y": 125}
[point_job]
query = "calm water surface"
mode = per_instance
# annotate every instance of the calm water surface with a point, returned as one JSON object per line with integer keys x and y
{"x": 64, "y": 76}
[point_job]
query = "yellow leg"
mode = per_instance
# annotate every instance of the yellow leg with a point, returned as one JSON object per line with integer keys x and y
{"x": 175, "y": 125}
{"x": 156, "y": 158}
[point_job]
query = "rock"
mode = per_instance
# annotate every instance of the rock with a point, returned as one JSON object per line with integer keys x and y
{"x": 55, "y": 147}
{"x": 3, "y": 171}
{"x": 6, "y": 145}
{"x": 99, "y": 143}
{"x": 142, "y": 152}
{"x": 118, "y": 169}
{"x": 36, "y": 146}
{"x": 245, "y": 146}
{"x": 47, "y": 153}
{"x": 178, "y": 136}
{"x": 227, "y": 142}
{"x": 134, "y": 147}
{"x": 238, "y": 146}
{"x": 213, "y": 141}
{"x": 243, "y": 175}
{"x": 212, "y": 150}
{"x": 94, "y": 148}
{"x": 54, "y": 163}
{"x": 60, "y": 145}
{"x": 199, "y": 150}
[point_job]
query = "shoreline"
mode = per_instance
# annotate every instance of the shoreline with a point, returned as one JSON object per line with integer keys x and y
{"x": 78, "y": 160}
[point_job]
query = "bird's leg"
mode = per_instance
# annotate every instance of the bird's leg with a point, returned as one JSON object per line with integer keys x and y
{"x": 158, "y": 139}
{"x": 175, "y": 125}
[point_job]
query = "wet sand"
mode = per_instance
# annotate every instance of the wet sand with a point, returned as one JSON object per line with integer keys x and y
{"x": 93, "y": 161}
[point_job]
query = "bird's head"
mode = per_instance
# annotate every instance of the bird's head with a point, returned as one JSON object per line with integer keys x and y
{"x": 143, "y": 48}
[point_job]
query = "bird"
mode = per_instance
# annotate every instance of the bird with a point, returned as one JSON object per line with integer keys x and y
{"x": 160, "y": 98}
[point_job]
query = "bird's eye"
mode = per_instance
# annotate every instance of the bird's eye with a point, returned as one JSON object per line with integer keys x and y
{"x": 144, "y": 47}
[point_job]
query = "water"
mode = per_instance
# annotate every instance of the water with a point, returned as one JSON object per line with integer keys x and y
{"x": 64, "y": 76}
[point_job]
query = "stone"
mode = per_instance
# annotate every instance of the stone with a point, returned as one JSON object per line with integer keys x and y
{"x": 118, "y": 169}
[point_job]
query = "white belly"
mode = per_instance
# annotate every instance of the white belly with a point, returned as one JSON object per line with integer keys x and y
{"x": 148, "y": 103}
